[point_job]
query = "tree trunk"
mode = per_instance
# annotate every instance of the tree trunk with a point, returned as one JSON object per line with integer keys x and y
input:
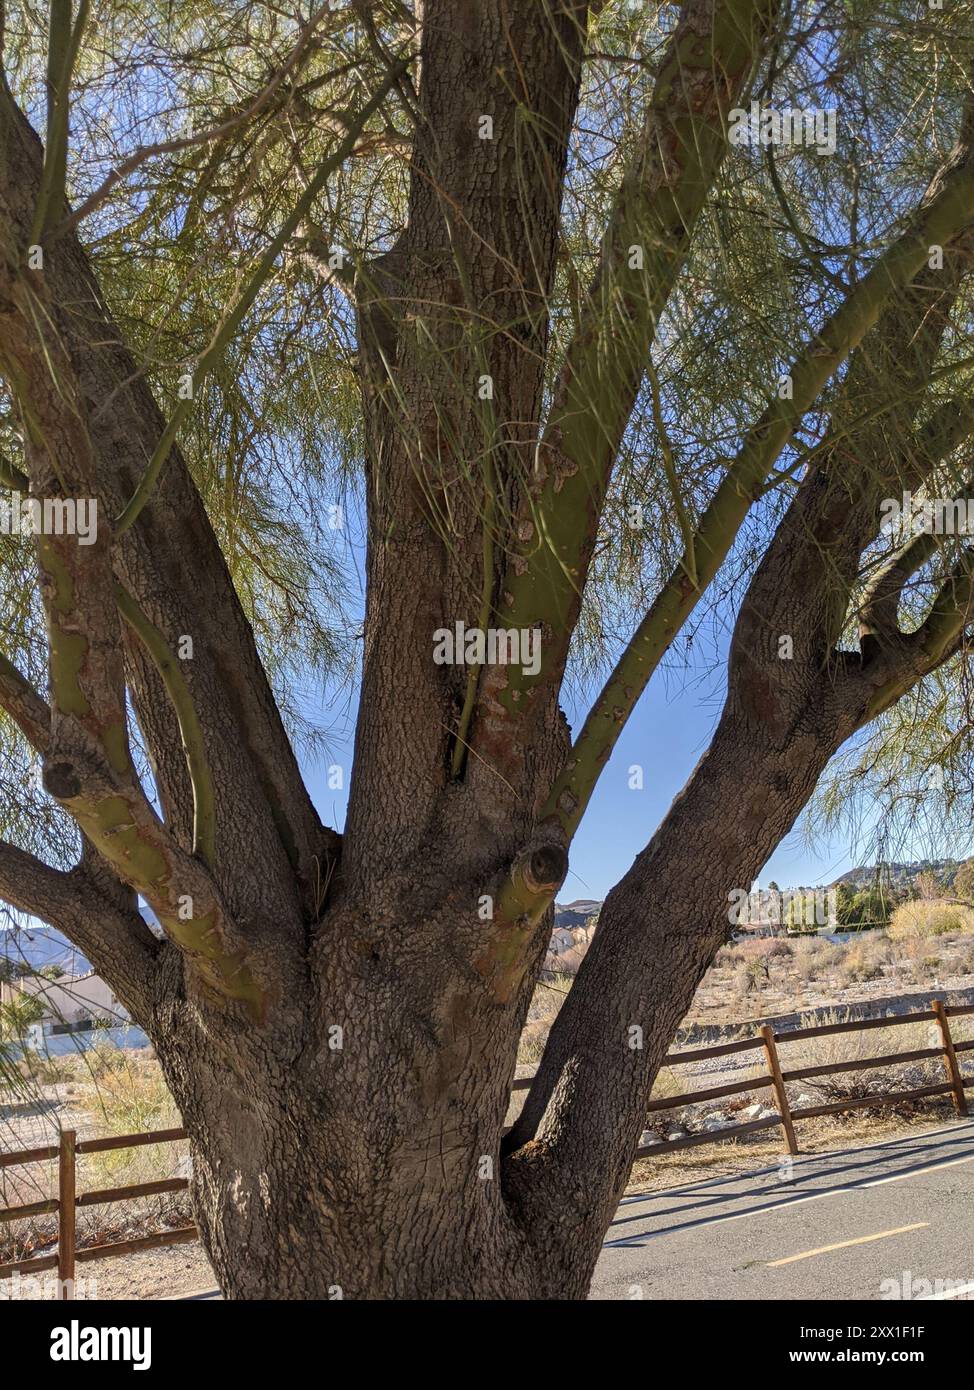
{"x": 338, "y": 1018}
{"x": 362, "y": 1163}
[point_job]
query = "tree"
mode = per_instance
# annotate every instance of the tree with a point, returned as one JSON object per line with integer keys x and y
{"x": 864, "y": 907}
{"x": 609, "y": 364}
{"x": 964, "y": 881}
{"x": 12, "y": 970}
{"x": 17, "y": 1016}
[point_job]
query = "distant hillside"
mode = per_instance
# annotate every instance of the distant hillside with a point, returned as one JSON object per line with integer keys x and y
{"x": 576, "y": 914}
{"x": 40, "y": 946}
{"x": 901, "y": 878}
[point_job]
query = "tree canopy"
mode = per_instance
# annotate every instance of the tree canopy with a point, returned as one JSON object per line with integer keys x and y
{"x": 579, "y": 325}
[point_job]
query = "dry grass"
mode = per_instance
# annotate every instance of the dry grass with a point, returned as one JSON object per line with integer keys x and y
{"x": 119, "y": 1092}
{"x": 767, "y": 1148}
{"x": 549, "y": 995}
{"x": 924, "y": 919}
{"x": 865, "y": 1079}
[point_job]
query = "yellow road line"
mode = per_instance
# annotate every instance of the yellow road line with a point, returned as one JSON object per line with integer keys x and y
{"x": 844, "y": 1244}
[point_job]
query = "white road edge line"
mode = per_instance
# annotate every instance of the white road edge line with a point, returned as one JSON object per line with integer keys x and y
{"x": 789, "y": 1202}
{"x": 952, "y": 1293}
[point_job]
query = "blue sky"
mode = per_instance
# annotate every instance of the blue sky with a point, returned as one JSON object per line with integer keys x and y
{"x": 667, "y": 734}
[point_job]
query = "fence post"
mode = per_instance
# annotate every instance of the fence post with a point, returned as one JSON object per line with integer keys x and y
{"x": 67, "y": 1197}
{"x": 774, "y": 1066}
{"x": 950, "y": 1057}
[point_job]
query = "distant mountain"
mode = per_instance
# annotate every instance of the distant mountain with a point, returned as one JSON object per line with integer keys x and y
{"x": 576, "y": 914}
{"x": 40, "y": 946}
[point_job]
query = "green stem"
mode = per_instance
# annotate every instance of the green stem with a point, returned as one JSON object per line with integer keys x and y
{"x": 62, "y": 53}
{"x": 201, "y": 779}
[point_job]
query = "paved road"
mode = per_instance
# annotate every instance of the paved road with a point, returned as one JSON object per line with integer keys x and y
{"x": 866, "y": 1223}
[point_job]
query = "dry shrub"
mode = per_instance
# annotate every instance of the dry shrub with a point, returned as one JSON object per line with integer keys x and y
{"x": 863, "y": 959}
{"x": 729, "y": 957}
{"x": 813, "y": 957}
{"x": 860, "y": 1046}
{"x": 921, "y": 919}
{"x": 756, "y": 960}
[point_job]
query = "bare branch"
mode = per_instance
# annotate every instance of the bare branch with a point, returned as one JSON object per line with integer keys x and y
{"x": 219, "y": 131}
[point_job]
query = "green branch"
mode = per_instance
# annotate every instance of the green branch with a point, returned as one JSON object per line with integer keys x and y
{"x": 232, "y": 322}
{"x": 948, "y": 213}
{"x": 191, "y": 731}
{"x": 64, "y": 40}
{"x": 643, "y": 252}
{"x": 11, "y": 476}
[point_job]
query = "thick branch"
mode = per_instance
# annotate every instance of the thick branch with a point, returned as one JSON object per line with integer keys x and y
{"x": 944, "y": 218}
{"x": 167, "y": 561}
{"x": 117, "y": 942}
{"x": 706, "y": 68}
{"x": 200, "y": 776}
{"x": 25, "y": 707}
{"x": 905, "y": 661}
{"x": 878, "y": 621}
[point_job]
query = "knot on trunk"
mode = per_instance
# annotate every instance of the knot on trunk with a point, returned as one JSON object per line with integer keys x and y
{"x": 61, "y": 780}
{"x": 542, "y": 868}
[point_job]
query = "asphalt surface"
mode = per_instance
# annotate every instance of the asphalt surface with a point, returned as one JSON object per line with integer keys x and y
{"x": 891, "y": 1221}
{"x": 864, "y": 1223}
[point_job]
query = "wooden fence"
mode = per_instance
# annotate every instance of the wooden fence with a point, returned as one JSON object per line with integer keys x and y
{"x": 68, "y": 1199}
{"x": 767, "y": 1040}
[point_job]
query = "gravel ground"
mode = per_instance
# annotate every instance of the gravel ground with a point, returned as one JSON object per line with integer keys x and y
{"x": 175, "y": 1271}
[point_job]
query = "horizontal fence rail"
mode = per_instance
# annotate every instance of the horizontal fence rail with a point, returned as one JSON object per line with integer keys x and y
{"x": 66, "y": 1150}
{"x": 69, "y": 1199}
{"x": 939, "y": 1013}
